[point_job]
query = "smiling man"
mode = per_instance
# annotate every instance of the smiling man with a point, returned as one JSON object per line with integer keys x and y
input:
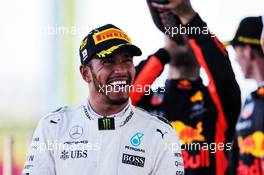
{"x": 106, "y": 134}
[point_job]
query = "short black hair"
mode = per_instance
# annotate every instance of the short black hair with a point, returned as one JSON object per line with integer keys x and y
{"x": 184, "y": 58}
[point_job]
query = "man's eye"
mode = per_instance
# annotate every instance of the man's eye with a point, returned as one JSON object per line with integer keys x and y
{"x": 129, "y": 60}
{"x": 108, "y": 61}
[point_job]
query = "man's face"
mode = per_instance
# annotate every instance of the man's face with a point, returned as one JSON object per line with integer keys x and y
{"x": 111, "y": 77}
{"x": 244, "y": 57}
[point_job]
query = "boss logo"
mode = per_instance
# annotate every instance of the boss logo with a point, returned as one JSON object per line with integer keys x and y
{"x": 133, "y": 160}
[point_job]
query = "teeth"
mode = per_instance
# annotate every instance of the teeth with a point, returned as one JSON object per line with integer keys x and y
{"x": 123, "y": 82}
{"x": 118, "y": 83}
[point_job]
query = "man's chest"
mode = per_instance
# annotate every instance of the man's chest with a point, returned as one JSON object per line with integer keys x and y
{"x": 89, "y": 150}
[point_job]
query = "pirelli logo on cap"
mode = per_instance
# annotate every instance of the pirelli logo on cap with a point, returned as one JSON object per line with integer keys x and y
{"x": 109, "y": 34}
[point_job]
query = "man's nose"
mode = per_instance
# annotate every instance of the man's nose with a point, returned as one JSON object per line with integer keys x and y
{"x": 119, "y": 67}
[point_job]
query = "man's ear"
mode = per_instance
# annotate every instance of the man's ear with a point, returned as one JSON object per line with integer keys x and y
{"x": 86, "y": 73}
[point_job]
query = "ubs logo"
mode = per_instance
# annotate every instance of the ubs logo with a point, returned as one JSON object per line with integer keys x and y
{"x": 76, "y": 132}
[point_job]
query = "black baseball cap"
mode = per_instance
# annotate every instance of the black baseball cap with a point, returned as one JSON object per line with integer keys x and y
{"x": 103, "y": 41}
{"x": 248, "y": 32}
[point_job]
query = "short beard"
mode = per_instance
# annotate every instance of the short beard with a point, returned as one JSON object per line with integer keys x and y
{"x": 97, "y": 86}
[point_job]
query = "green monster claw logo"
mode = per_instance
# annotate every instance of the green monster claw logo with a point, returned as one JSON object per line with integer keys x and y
{"x": 106, "y": 123}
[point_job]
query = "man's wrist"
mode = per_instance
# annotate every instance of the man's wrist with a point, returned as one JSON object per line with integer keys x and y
{"x": 163, "y": 55}
{"x": 197, "y": 22}
{"x": 187, "y": 16}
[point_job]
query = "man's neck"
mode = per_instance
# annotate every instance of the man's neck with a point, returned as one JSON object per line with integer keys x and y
{"x": 104, "y": 109}
{"x": 179, "y": 73}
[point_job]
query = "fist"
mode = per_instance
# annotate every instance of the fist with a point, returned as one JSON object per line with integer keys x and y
{"x": 182, "y": 8}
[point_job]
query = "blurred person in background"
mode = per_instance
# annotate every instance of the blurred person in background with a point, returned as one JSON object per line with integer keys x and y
{"x": 105, "y": 134}
{"x": 247, "y": 156}
{"x": 262, "y": 34}
{"x": 202, "y": 115}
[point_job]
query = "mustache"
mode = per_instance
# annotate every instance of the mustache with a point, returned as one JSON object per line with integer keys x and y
{"x": 120, "y": 76}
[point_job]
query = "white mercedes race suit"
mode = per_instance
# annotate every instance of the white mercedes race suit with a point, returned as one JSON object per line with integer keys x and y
{"x": 76, "y": 140}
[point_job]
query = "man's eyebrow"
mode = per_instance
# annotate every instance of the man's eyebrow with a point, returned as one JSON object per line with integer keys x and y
{"x": 105, "y": 59}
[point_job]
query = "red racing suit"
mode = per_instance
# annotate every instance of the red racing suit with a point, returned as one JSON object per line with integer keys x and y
{"x": 203, "y": 116}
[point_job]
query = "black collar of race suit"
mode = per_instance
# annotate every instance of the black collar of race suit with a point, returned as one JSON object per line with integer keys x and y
{"x": 183, "y": 84}
{"x": 109, "y": 122}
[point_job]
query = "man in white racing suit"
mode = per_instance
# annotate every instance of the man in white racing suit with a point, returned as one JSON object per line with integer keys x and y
{"x": 106, "y": 134}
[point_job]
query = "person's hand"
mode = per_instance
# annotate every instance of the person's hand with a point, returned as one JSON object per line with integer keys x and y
{"x": 182, "y": 8}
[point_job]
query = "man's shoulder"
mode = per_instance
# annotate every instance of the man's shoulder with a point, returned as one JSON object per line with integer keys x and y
{"x": 61, "y": 114}
{"x": 161, "y": 129}
{"x": 155, "y": 119}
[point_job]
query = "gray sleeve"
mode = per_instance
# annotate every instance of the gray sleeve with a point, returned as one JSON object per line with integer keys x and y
{"x": 40, "y": 159}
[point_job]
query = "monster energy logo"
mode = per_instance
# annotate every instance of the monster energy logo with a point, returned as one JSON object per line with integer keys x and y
{"x": 106, "y": 123}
